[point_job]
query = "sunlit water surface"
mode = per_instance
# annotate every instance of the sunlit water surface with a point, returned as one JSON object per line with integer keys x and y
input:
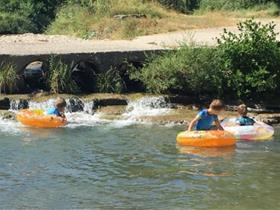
{"x": 107, "y": 166}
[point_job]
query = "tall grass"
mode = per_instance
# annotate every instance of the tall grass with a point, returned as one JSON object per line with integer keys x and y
{"x": 8, "y": 78}
{"x": 110, "y": 82}
{"x": 98, "y": 21}
{"x": 60, "y": 77}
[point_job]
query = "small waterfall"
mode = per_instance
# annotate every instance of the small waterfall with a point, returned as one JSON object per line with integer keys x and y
{"x": 86, "y": 115}
{"x": 141, "y": 108}
{"x": 147, "y": 106}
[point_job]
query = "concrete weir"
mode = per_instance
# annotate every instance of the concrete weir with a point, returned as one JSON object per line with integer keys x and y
{"x": 22, "y": 50}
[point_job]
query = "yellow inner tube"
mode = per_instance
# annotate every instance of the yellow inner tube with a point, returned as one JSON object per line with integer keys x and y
{"x": 206, "y": 139}
{"x": 37, "y": 118}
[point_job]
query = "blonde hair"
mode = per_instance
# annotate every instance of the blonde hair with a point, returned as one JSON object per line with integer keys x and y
{"x": 60, "y": 102}
{"x": 217, "y": 105}
{"x": 242, "y": 109}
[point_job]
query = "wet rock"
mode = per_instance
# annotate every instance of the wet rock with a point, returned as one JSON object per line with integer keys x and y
{"x": 269, "y": 118}
{"x": 97, "y": 103}
{"x": 23, "y": 104}
{"x": 8, "y": 116}
{"x": 20, "y": 104}
{"x": 75, "y": 105}
{"x": 182, "y": 100}
{"x": 5, "y": 104}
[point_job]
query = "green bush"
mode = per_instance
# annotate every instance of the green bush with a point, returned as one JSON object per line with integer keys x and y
{"x": 181, "y": 5}
{"x": 8, "y": 78}
{"x": 60, "y": 77}
{"x": 186, "y": 70}
{"x": 232, "y": 5}
{"x": 243, "y": 65}
{"x": 252, "y": 57}
{"x": 26, "y": 15}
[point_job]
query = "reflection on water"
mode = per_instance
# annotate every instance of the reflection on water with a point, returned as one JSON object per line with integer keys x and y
{"x": 132, "y": 167}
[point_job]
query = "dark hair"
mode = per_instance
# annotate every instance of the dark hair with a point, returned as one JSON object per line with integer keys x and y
{"x": 217, "y": 105}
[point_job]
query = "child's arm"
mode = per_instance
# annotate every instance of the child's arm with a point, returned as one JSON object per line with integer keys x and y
{"x": 218, "y": 125}
{"x": 193, "y": 122}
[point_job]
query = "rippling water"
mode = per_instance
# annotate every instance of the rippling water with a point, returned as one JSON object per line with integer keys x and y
{"x": 133, "y": 167}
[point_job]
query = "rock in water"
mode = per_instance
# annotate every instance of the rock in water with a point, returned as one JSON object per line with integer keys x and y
{"x": 75, "y": 105}
{"x": 23, "y": 104}
{"x": 5, "y": 104}
{"x": 9, "y": 116}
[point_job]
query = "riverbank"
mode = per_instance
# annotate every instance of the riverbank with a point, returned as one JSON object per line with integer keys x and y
{"x": 136, "y": 108}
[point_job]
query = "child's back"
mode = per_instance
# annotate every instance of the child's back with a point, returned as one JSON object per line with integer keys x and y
{"x": 243, "y": 119}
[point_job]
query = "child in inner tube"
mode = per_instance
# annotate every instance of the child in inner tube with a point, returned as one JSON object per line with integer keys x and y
{"x": 205, "y": 118}
{"x": 59, "y": 109}
{"x": 243, "y": 119}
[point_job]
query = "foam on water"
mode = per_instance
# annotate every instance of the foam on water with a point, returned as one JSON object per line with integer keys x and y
{"x": 143, "y": 107}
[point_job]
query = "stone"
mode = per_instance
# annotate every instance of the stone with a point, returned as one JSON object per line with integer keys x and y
{"x": 23, "y": 104}
{"x": 5, "y": 104}
{"x": 97, "y": 103}
{"x": 270, "y": 119}
{"x": 9, "y": 116}
{"x": 75, "y": 105}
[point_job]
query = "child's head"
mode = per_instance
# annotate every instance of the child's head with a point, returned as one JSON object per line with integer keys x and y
{"x": 242, "y": 110}
{"x": 60, "y": 104}
{"x": 216, "y": 106}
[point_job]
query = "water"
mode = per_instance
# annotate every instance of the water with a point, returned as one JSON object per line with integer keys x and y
{"x": 99, "y": 164}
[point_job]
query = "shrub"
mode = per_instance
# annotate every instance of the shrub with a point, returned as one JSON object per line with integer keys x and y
{"x": 60, "y": 77}
{"x": 181, "y": 5}
{"x": 8, "y": 78}
{"x": 186, "y": 70}
{"x": 252, "y": 57}
{"x": 232, "y": 5}
{"x": 110, "y": 82}
{"x": 26, "y": 15}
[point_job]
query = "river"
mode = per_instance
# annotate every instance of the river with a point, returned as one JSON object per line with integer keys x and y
{"x": 104, "y": 165}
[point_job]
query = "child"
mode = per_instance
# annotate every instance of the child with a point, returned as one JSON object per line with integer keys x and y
{"x": 59, "y": 108}
{"x": 243, "y": 119}
{"x": 205, "y": 118}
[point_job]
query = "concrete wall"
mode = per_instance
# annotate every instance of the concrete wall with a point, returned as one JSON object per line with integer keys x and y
{"x": 102, "y": 60}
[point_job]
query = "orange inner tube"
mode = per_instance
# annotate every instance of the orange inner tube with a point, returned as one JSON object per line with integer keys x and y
{"x": 206, "y": 138}
{"x": 36, "y": 118}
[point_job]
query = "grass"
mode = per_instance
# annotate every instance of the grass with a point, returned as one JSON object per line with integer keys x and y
{"x": 76, "y": 20}
{"x": 8, "y": 78}
{"x": 60, "y": 78}
{"x": 110, "y": 82}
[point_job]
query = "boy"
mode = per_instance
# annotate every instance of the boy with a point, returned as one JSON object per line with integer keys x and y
{"x": 205, "y": 118}
{"x": 243, "y": 119}
{"x": 59, "y": 108}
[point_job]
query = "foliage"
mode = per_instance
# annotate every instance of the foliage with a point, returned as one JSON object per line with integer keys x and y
{"x": 98, "y": 19}
{"x": 181, "y": 5}
{"x": 26, "y": 15}
{"x": 232, "y": 5}
{"x": 253, "y": 58}
{"x": 243, "y": 65}
{"x": 110, "y": 82}
{"x": 186, "y": 70}
{"x": 60, "y": 77}
{"x": 8, "y": 78}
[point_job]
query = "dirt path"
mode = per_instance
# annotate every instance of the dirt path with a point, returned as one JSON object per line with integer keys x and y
{"x": 30, "y": 44}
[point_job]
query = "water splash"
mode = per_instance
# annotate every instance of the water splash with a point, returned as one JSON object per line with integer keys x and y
{"x": 135, "y": 110}
{"x": 141, "y": 108}
{"x": 147, "y": 106}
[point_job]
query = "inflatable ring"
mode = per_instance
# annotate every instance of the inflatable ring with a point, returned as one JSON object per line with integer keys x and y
{"x": 37, "y": 118}
{"x": 258, "y": 131}
{"x": 206, "y": 139}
